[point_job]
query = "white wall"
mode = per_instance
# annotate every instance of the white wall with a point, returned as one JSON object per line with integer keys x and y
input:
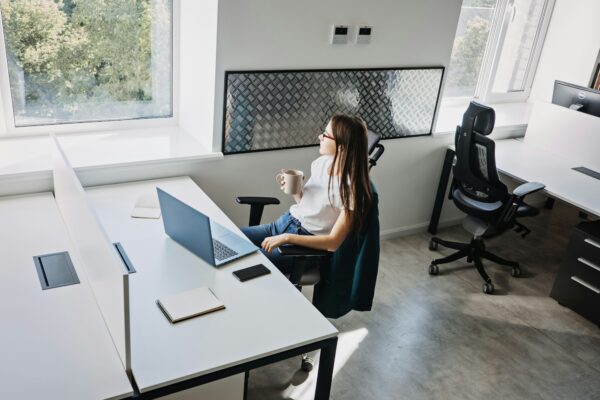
{"x": 570, "y": 48}
{"x": 197, "y": 58}
{"x": 285, "y": 34}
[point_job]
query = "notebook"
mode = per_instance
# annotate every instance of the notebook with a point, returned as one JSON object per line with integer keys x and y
{"x": 189, "y": 304}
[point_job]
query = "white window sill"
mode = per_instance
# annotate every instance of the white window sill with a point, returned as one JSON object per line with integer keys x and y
{"x": 509, "y": 116}
{"x": 32, "y": 156}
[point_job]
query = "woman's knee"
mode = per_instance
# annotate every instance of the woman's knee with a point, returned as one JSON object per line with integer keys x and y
{"x": 256, "y": 233}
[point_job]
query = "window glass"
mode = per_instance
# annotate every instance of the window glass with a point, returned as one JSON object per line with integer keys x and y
{"x": 518, "y": 46}
{"x": 469, "y": 46}
{"x": 87, "y": 60}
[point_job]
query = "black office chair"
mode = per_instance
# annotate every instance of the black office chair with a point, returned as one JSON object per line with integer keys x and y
{"x": 478, "y": 191}
{"x": 307, "y": 261}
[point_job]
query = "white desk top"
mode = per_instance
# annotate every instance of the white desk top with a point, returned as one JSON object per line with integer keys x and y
{"x": 53, "y": 343}
{"x": 525, "y": 162}
{"x": 262, "y": 317}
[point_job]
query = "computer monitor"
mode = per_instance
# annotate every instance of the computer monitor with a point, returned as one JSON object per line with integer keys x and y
{"x": 579, "y": 98}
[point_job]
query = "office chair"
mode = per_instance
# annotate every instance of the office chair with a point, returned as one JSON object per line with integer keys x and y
{"x": 478, "y": 191}
{"x": 304, "y": 257}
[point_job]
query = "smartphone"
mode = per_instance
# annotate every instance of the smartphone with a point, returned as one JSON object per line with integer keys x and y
{"x": 251, "y": 272}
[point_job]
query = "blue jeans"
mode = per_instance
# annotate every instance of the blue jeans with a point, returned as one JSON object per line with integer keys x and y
{"x": 284, "y": 224}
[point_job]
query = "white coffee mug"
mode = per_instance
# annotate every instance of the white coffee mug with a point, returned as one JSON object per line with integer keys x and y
{"x": 292, "y": 180}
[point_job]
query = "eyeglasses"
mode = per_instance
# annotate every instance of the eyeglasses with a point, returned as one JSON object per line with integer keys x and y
{"x": 326, "y": 136}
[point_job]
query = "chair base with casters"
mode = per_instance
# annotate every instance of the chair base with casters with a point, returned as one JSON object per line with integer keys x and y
{"x": 474, "y": 252}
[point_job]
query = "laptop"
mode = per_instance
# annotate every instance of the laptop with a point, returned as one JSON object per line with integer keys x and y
{"x": 210, "y": 241}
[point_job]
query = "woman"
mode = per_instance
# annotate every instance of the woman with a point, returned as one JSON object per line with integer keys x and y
{"x": 334, "y": 201}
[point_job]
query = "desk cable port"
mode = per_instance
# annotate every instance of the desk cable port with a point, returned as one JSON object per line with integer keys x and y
{"x": 588, "y": 172}
{"x": 55, "y": 270}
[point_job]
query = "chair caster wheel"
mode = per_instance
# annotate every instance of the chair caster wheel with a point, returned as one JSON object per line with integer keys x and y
{"x": 307, "y": 364}
{"x": 433, "y": 245}
{"x": 515, "y": 272}
{"x": 434, "y": 269}
{"x": 488, "y": 288}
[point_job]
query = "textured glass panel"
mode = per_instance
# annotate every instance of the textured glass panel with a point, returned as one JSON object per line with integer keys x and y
{"x": 87, "y": 60}
{"x": 273, "y": 110}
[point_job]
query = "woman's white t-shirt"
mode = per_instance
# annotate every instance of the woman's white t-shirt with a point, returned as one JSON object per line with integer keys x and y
{"x": 319, "y": 208}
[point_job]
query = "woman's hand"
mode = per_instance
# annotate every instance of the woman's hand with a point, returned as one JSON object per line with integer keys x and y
{"x": 272, "y": 242}
{"x": 281, "y": 180}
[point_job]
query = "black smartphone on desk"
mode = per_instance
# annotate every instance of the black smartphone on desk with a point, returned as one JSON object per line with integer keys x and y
{"x": 251, "y": 272}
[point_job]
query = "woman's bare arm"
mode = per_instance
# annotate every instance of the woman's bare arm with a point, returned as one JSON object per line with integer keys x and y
{"x": 298, "y": 197}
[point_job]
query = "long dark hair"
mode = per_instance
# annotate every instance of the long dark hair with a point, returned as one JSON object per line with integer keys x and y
{"x": 351, "y": 155}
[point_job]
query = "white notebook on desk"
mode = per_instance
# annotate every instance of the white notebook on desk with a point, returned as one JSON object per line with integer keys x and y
{"x": 189, "y": 304}
{"x": 146, "y": 206}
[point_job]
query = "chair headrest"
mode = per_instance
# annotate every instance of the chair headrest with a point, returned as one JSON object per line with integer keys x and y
{"x": 485, "y": 117}
{"x": 373, "y": 139}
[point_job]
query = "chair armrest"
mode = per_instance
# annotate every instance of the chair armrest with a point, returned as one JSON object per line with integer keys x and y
{"x": 293, "y": 250}
{"x": 257, "y": 200}
{"x": 257, "y": 204}
{"x": 528, "y": 188}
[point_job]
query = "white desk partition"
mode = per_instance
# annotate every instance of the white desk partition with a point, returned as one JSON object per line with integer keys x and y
{"x": 570, "y": 134}
{"x": 104, "y": 269}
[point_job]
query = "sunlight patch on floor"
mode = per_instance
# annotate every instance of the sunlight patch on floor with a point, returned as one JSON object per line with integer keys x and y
{"x": 348, "y": 343}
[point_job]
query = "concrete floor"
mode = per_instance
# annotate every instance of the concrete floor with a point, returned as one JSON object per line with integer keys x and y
{"x": 442, "y": 338}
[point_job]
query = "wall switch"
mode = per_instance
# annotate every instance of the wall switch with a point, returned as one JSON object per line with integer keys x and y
{"x": 339, "y": 34}
{"x": 363, "y": 35}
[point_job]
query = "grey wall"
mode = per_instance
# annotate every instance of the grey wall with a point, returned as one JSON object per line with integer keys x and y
{"x": 285, "y": 34}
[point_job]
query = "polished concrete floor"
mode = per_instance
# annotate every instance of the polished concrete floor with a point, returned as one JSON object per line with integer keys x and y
{"x": 442, "y": 338}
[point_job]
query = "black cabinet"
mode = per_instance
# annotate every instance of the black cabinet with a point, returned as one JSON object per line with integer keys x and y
{"x": 577, "y": 284}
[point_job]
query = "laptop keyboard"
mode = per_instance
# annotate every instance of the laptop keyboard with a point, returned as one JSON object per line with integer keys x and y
{"x": 221, "y": 251}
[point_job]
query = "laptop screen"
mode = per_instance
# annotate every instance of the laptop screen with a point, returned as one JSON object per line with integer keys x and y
{"x": 187, "y": 226}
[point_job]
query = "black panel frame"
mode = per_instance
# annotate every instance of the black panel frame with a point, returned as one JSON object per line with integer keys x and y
{"x": 229, "y": 72}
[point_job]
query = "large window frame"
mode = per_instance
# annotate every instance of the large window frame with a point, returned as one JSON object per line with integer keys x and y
{"x": 503, "y": 14}
{"x": 8, "y": 127}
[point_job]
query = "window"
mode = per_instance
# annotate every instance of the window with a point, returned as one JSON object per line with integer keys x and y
{"x": 496, "y": 49}
{"x": 73, "y": 61}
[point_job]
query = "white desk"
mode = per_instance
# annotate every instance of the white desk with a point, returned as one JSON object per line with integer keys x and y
{"x": 527, "y": 163}
{"x": 53, "y": 343}
{"x": 265, "y": 319}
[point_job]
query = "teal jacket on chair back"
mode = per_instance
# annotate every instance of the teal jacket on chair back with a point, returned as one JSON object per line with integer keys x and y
{"x": 348, "y": 281}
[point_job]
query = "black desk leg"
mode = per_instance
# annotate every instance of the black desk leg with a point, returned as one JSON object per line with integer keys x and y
{"x": 549, "y": 203}
{"x": 325, "y": 375}
{"x": 441, "y": 192}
